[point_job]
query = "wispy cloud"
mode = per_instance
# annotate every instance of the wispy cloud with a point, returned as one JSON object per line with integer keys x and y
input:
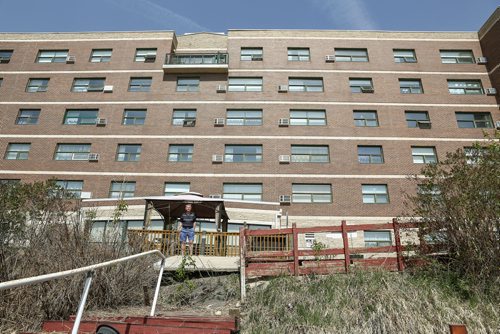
{"x": 348, "y": 14}
{"x": 159, "y": 14}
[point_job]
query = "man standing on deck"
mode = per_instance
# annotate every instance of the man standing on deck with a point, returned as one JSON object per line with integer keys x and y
{"x": 188, "y": 221}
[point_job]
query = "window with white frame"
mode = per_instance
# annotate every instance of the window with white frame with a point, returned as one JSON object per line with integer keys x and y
{"x": 243, "y": 153}
{"x": 307, "y": 117}
{"x": 251, "y": 54}
{"x": 121, "y": 189}
{"x": 375, "y": 193}
{"x": 404, "y": 56}
{"x": 28, "y": 117}
{"x": 180, "y": 116}
{"x": 100, "y": 55}
{"x": 361, "y": 85}
{"x": 315, "y": 153}
{"x": 37, "y": 85}
{"x": 72, "y": 152}
{"x": 80, "y": 117}
{"x": 370, "y": 155}
{"x": 465, "y": 87}
{"x": 180, "y": 153}
{"x": 83, "y": 85}
{"x": 365, "y": 118}
{"x": 71, "y": 187}
{"x": 305, "y": 84}
{"x": 471, "y": 120}
{"x": 410, "y": 86}
{"x": 423, "y": 155}
{"x": 377, "y": 238}
{"x": 457, "y": 57}
{"x": 413, "y": 117}
{"x": 128, "y": 152}
{"x": 17, "y": 151}
{"x": 351, "y": 55}
{"x": 243, "y": 191}
{"x": 299, "y": 54}
{"x": 140, "y": 84}
{"x": 244, "y": 117}
{"x": 244, "y": 84}
{"x": 52, "y": 56}
{"x": 175, "y": 188}
{"x": 188, "y": 84}
{"x": 145, "y": 55}
{"x": 311, "y": 193}
{"x": 134, "y": 116}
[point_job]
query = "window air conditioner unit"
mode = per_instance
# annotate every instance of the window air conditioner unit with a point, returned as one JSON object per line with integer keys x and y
{"x": 187, "y": 123}
{"x": 424, "y": 124}
{"x": 284, "y": 159}
{"x": 219, "y": 121}
{"x": 101, "y": 122}
{"x": 491, "y": 91}
{"x": 330, "y": 58}
{"x": 221, "y": 89}
{"x": 217, "y": 158}
{"x": 215, "y": 196}
{"x": 284, "y": 122}
{"x": 70, "y": 59}
{"x": 93, "y": 157}
{"x": 283, "y": 88}
{"x": 108, "y": 89}
{"x": 367, "y": 89}
{"x": 4, "y": 60}
{"x": 482, "y": 60}
{"x": 85, "y": 195}
{"x": 285, "y": 199}
{"x": 257, "y": 58}
{"x": 149, "y": 58}
{"x": 497, "y": 125}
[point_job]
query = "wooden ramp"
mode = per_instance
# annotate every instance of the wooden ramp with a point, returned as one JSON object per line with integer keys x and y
{"x": 204, "y": 263}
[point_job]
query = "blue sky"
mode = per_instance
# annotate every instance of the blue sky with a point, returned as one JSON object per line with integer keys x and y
{"x": 221, "y": 15}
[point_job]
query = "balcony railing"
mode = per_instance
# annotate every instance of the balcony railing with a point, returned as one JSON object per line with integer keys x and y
{"x": 189, "y": 62}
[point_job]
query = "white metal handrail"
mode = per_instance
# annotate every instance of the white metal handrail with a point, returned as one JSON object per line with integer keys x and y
{"x": 89, "y": 271}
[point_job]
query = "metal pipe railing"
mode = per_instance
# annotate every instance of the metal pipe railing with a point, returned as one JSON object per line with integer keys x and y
{"x": 88, "y": 270}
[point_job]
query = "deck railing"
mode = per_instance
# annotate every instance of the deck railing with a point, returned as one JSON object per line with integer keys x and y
{"x": 197, "y": 59}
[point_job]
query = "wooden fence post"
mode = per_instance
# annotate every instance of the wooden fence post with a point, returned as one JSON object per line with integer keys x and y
{"x": 295, "y": 250}
{"x": 345, "y": 239}
{"x": 243, "y": 288}
{"x": 203, "y": 242}
{"x": 397, "y": 240}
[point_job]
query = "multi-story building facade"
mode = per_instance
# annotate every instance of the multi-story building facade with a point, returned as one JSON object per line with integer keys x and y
{"x": 331, "y": 121}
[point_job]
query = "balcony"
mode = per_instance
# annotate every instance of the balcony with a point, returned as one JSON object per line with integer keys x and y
{"x": 196, "y": 63}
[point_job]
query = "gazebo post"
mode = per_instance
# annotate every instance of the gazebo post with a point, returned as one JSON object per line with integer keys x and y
{"x": 217, "y": 217}
{"x": 148, "y": 208}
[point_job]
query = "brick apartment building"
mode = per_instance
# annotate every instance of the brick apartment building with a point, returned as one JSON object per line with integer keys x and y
{"x": 332, "y": 121}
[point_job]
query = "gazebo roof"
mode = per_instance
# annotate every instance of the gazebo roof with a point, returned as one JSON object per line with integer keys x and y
{"x": 173, "y": 206}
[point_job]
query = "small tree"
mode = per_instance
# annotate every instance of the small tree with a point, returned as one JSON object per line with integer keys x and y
{"x": 458, "y": 208}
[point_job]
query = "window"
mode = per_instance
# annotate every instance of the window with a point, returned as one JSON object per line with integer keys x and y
{"x": 465, "y": 87}
{"x": 377, "y": 238}
{"x": 188, "y": 84}
{"x": 404, "y": 56}
{"x": 351, "y": 55}
{"x": 299, "y": 54}
{"x": 128, "y": 152}
{"x": 473, "y": 154}
{"x": 121, "y": 189}
{"x": 52, "y": 56}
{"x": 180, "y": 153}
{"x": 251, "y": 54}
{"x": 474, "y": 120}
{"x": 5, "y": 56}
{"x": 243, "y": 153}
{"x": 243, "y": 191}
{"x": 359, "y": 85}
{"x": 180, "y": 116}
{"x": 429, "y": 191}
{"x": 1, "y": 81}
{"x": 37, "y": 85}
{"x": 423, "y": 155}
{"x": 311, "y": 193}
{"x": 457, "y": 57}
{"x": 88, "y": 85}
{"x": 414, "y": 117}
{"x": 134, "y": 116}
{"x": 17, "y": 151}
{"x": 9, "y": 182}
{"x": 370, "y": 155}
{"x": 305, "y": 84}
{"x": 375, "y": 193}
{"x": 307, "y": 117}
{"x": 72, "y": 152}
{"x": 139, "y": 85}
{"x": 410, "y": 86}
{"x": 244, "y": 85}
{"x": 145, "y": 55}
{"x": 80, "y": 117}
{"x": 244, "y": 117}
{"x": 28, "y": 116}
{"x": 100, "y": 55}
{"x": 174, "y": 188}
{"x": 366, "y": 118}
{"x": 72, "y": 188}
{"x": 301, "y": 153}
